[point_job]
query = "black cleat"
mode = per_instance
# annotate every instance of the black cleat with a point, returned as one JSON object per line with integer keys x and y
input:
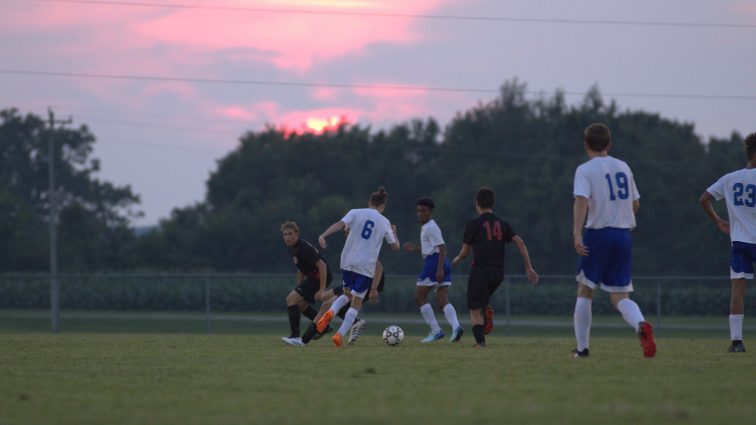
{"x": 580, "y": 354}
{"x": 317, "y": 335}
{"x": 736, "y": 347}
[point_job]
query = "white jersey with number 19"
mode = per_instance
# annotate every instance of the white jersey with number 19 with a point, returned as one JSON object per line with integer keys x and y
{"x": 367, "y": 230}
{"x": 610, "y": 188}
{"x": 739, "y": 190}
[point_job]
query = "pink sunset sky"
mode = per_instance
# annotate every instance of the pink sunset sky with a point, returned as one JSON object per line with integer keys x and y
{"x": 157, "y": 112}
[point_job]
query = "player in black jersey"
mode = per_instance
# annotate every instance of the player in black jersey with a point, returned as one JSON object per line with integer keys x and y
{"x": 313, "y": 276}
{"x": 487, "y": 236}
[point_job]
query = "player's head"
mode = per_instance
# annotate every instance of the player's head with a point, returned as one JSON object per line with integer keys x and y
{"x": 597, "y": 137}
{"x": 378, "y": 199}
{"x": 290, "y": 233}
{"x": 424, "y": 208}
{"x": 750, "y": 146}
{"x": 485, "y": 198}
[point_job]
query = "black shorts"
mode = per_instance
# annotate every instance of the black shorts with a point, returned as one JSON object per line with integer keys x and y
{"x": 481, "y": 284}
{"x": 309, "y": 287}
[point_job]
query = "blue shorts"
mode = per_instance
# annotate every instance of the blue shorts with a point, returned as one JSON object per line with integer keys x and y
{"x": 427, "y": 277}
{"x": 357, "y": 283}
{"x": 741, "y": 260}
{"x": 609, "y": 261}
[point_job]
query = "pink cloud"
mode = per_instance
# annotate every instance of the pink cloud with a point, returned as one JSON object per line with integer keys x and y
{"x": 288, "y": 40}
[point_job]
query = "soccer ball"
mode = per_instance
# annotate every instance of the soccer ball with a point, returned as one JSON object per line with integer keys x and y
{"x": 393, "y": 335}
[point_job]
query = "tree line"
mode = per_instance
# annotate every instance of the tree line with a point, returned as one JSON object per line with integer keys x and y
{"x": 526, "y": 149}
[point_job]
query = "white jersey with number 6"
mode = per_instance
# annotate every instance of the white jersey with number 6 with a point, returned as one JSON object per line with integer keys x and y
{"x": 610, "y": 188}
{"x": 367, "y": 230}
{"x": 739, "y": 190}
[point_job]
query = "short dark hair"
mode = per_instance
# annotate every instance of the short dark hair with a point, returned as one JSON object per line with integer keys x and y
{"x": 378, "y": 198}
{"x": 750, "y": 145}
{"x": 428, "y": 202}
{"x": 485, "y": 197}
{"x": 597, "y": 136}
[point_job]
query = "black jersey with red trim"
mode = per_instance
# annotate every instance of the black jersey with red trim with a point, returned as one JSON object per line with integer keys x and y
{"x": 306, "y": 258}
{"x": 488, "y": 235}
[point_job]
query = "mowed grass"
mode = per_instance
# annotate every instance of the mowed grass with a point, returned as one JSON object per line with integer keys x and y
{"x": 252, "y": 378}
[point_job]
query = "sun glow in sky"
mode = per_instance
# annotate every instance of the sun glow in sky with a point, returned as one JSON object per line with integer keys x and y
{"x": 365, "y": 53}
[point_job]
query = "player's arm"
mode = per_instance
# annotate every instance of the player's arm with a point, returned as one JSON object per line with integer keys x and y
{"x": 323, "y": 273}
{"x": 335, "y": 227}
{"x": 300, "y": 277}
{"x": 440, "y": 265}
{"x": 579, "y": 212}
{"x": 636, "y": 206}
{"x": 532, "y": 275}
{"x": 706, "y": 203}
{"x": 411, "y": 247}
{"x": 463, "y": 253}
{"x": 396, "y": 246}
{"x": 373, "y": 294}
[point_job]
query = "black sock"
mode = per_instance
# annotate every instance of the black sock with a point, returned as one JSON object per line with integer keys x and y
{"x": 309, "y": 333}
{"x": 343, "y": 311}
{"x": 310, "y": 312}
{"x": 478, "y": 332}
{"x": 294, "y": 320}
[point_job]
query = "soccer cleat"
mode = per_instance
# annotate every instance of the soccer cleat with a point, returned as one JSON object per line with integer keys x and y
{"x": 646, "y": 336}
{"x": 317, "y": 335}
{"x": 294, "y": 342}
{"x": 336, "y": 338}
{"x": 488, "y": 320}
{"x": 433, "y": 336}
{"x": 322, "y": 324}
{"x": 456, "y": 334}
{"x": 575, "y": 354}
{"x": 356, "y": 330}
{"x": 736, "y": 347}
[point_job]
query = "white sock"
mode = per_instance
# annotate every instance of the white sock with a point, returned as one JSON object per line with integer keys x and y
{"x": 430, "y": 318}
{"x": 736, "y": 327}
{"x": 451, "y": 316}
{"x": 338, "y": 303}
{"x": 583, "y": 316}
{"x": 349, "y": 317}
{"x": 630, "y": 312}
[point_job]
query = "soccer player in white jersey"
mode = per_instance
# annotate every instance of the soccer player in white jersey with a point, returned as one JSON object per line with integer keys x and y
{"x": 739, "y": 191}
{"x": 605, "y": 192}
{"x": 436, "y": 274}
{"x": 369, "y": 228}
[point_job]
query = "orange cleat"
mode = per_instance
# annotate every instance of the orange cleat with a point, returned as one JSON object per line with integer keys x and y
{"x": 488, "y": 320}
{"x": 337, "y": 340}
{"x": 646, "y": 336}
{"x": 324, "y": 321}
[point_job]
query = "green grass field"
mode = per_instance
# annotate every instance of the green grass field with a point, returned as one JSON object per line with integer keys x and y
{"x": 163, "y": 372}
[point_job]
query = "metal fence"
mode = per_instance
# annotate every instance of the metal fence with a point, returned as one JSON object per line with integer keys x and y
{"x": 211, "y": 293}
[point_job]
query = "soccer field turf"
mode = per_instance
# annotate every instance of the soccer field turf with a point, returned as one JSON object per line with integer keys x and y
{"x": 96, "y": 378}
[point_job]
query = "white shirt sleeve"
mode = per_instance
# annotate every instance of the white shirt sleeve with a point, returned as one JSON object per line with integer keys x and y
{"x": 717, "y": 190}
{"x": 349, "y": 218}
{"x": 390, "y": 239}
{"x": 581, "y": 186}
{"x": 635, "y": 195}
{"x": 434, "y": 236}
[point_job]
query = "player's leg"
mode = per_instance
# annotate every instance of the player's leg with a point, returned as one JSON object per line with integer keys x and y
{"x": 442, "y": 299}
{"x": 338, "y": 303}
{"x": 741, "y": 268}
{"x": 737, "y": 313}
{"x": 360, "y": 324}
{"x": 582, "y": 319}
{"x": 426, "y": 310}
{"x": 293, "y": 305}
{"x": 477, "y": 299}
{"x": 361, "y": 286}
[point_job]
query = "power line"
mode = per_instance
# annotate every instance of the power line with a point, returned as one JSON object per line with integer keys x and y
{"x": 469, "y": 18}
{"x": 300, "y": 84}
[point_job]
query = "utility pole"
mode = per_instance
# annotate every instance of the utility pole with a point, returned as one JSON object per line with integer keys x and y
{"x": 53, "y": 199}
